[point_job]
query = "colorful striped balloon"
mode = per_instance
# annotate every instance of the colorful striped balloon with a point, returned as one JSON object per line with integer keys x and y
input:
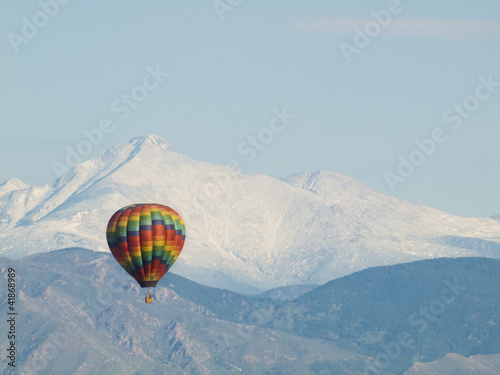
{"x": 146, "y": 240}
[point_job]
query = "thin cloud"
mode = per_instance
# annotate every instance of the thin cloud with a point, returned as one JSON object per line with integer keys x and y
{"x": 412, "y": 27}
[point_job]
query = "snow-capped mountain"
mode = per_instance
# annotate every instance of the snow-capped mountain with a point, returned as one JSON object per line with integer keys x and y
{"x": 244, "y": 232}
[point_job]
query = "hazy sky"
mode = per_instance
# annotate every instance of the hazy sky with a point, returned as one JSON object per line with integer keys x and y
{"x": 363, "y": 79}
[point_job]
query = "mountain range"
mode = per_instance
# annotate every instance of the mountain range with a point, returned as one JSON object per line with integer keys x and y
{"x": 79, "y": 313}
{"x": 246, "y": 233}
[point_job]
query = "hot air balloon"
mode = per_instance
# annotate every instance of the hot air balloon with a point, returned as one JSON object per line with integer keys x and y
{"x": 146, "y": 240}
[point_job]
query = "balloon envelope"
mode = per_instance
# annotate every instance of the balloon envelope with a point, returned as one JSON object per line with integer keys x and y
{"x": 146, "y": 240}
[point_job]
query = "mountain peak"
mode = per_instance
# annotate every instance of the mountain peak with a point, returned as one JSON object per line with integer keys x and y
{"x": 13, "y": 184}
{"x": 319, "y": 180}
{"x": 151, "y": 139}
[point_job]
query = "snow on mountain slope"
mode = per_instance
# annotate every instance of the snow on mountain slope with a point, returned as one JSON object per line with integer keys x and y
{"x": 378, "y": 210}
{"x": 244, "y": 232}
{"x": 12, "y": 184}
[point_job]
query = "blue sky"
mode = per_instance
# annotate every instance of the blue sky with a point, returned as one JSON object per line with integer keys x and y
{"x": 229, "y": 72}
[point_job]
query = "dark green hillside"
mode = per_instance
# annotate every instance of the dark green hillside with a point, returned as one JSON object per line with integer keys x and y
{"x": 434, "y": 306}
{"x": 385, "y": 316}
